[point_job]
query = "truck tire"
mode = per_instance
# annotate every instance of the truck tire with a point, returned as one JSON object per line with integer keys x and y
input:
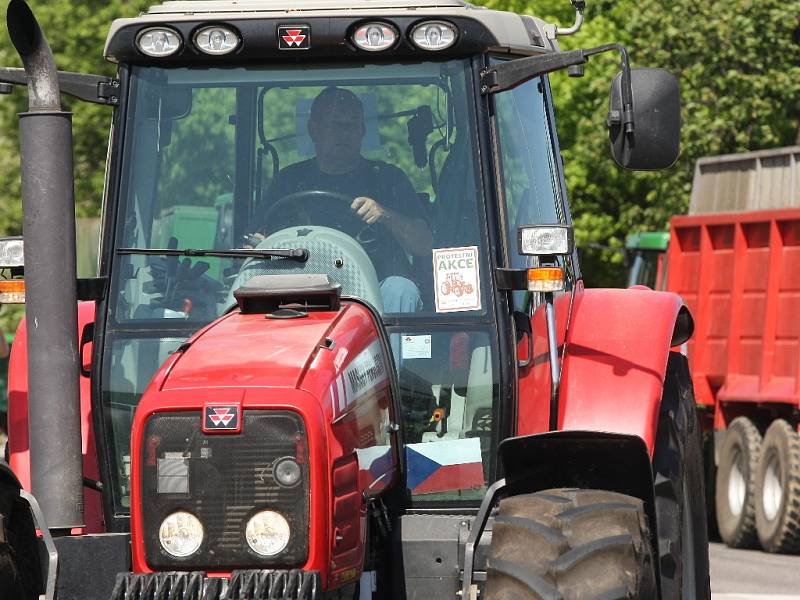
{"x": 735, "y": 497}
{"x": 679, "y": 489}
{"x": 778, "y": 489}
{"x": 571, "y": 544}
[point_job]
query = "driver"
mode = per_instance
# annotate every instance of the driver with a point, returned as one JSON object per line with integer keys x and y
{"x": 382, "y": 195}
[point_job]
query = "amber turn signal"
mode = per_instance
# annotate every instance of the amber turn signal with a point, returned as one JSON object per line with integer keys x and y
{"x": 546, "y": 279}
{"x": 12, "y": 291}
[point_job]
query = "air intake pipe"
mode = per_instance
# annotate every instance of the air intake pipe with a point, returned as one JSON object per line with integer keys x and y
{"x": 50, "y": 280}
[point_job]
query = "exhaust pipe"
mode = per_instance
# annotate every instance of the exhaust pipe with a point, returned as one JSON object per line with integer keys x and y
{"x": 50, "y": 279}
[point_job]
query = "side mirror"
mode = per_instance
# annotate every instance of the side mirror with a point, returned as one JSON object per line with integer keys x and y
{"x": 655, "y": 142}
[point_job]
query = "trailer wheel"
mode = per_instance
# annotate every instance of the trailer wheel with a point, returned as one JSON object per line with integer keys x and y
{"x": 679, "y": 488}
{"x": 570, "y": 543}
{"x": 778, "y": 489}
{"x": 736, "y": 482}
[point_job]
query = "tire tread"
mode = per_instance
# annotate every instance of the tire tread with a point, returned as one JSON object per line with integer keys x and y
{"x": 589, "y": 544}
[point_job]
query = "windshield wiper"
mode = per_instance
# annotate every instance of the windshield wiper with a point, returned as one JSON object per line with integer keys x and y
{"x": 298, "y": 254}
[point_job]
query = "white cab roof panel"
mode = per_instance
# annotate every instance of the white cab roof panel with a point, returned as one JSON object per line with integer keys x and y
{"x": 507, "y": 28}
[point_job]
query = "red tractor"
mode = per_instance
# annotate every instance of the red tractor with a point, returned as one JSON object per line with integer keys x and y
{"x": 455, "y": 284}
{"x": 262, "y": 394}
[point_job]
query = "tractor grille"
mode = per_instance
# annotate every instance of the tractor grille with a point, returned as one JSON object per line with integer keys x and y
{"x": 223, "y": 480}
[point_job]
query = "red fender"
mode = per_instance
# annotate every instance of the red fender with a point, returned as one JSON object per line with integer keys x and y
{"x": 19, "y": 451}
{"x": 618, "y": 342}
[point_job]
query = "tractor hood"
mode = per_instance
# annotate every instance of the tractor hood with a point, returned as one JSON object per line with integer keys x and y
{"x": 251, "y": 350}
{"x": 292, "y": 374}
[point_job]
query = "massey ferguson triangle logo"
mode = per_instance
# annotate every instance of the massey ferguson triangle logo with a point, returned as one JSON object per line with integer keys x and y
{"x": 294, "y": 37}
{"x": 221, "y": 418}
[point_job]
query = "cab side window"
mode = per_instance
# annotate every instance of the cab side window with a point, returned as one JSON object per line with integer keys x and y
{"x": 530, "y": 179}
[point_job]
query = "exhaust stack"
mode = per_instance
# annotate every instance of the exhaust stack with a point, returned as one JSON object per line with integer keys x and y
{"x": 50, "y": 279}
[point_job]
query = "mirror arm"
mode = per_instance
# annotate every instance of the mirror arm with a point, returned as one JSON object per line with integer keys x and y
{"x": 626, "y": 118}
{"x": 509, "y": 74}
{"x": 90, "y": 88}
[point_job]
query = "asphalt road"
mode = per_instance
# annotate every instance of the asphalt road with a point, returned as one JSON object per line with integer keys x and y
{"x": 753, "y": 575}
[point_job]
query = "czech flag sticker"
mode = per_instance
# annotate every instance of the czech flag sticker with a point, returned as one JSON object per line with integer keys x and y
{"x": 443, "y": 466}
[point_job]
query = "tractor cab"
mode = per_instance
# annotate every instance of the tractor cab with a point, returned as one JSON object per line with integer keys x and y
{"x": 376, "y": 158}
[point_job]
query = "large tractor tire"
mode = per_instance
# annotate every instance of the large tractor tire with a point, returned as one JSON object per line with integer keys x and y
{"x": 20, "y": 575}
{"x": 570, "y": 544}
{"x": 679, "y": 488}
{"x": 735, "y": 497}
{"x": 778, "y": 489}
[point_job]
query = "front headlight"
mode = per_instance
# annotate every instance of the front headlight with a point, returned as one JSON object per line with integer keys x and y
{"x": 287, "y": 472}
{"x": 267, "y": 533}
{"x": 181, "y": 534}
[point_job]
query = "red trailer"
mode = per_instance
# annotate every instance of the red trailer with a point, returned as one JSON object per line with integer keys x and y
{"x": 739, "y": 273}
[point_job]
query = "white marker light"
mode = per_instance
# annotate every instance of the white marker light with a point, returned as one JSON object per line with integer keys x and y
{"x": 374, "y": 37}
{"x": 12, "y": 252}
{"x": 434, "y": 35}
{"x": 545, "y": 240}
{"x": 158, "y": 42}
{"x": 216, "y": 40}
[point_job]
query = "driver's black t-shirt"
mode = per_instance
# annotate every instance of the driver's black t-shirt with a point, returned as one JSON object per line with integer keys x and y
{"x": 384, "y": 183}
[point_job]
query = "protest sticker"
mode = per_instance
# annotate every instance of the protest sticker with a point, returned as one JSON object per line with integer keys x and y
{"x": 456, "y": 279}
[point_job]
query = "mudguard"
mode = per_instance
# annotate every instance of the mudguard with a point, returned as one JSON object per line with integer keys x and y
{"x": 18, "y": 446}
{"x": 585, "y": 459}
{"x": 617, "y": 346}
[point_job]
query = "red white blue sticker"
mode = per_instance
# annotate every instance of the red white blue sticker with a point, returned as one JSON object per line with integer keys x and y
{"x": 294, "y": 37}
{"x": 444, "y": 466}
{"x": 222, "y": 418}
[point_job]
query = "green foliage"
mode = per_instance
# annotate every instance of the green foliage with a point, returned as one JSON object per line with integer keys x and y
{"x": 740, "y": 82}
{"x": 76, "y": 32}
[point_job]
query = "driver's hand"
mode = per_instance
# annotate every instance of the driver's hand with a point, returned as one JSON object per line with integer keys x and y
{"x": 368, "y": 209}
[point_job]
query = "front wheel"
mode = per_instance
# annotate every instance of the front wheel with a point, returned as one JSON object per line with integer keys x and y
{"x": 20, "y": 577}
{"x": 679, "y": 482}
{"x": 570, "y": 544}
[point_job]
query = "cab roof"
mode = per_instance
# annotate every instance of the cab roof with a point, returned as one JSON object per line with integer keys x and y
{"x": 512, "y": 33}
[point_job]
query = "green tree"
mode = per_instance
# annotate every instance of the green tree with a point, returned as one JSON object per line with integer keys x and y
{"x": 740, "y": 87}
{"x": 76, "y": 32}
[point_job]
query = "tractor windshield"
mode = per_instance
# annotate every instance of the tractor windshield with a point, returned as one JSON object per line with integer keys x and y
{"x": 370, "y": 168}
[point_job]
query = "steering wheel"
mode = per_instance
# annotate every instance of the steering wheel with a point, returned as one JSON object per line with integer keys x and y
{"x": 298, "y": 203}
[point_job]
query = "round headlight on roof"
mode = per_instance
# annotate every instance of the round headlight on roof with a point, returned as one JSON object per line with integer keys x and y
{"x": 434, "y": 35}
{"x": 181, "y": 534}
{"x": 374, "y": 37}
{"x": 216, "y": 40}
{"x": 158, "y": 42}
